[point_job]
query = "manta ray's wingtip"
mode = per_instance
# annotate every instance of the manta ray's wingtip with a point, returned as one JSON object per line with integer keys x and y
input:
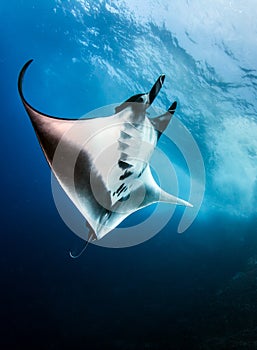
{"x": 25, "y": 67}
{"x": 189, "y": 205}
{"x": 169, "y": 198}
{"x": 21, "y": 75}
{"x": 184, "y": 203}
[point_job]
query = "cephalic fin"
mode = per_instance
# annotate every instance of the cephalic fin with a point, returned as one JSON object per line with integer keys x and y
{"x": 145, "y": 98}
{"x": 160, "y": 123}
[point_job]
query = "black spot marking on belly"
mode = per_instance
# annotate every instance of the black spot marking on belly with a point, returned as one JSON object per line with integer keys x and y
{"x": 126, "y": 174}
{"x": 121, "y": 189}
{"x": 124, "y": 165}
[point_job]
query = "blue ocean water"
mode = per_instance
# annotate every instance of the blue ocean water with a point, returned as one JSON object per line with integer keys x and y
{"x": 196, "y": 290}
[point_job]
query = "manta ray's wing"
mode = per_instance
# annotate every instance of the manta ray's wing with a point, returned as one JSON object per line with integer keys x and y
{"x": 49, "y": 129}
{"x": 62, "y": 141}
{"x": 155, "y": 194}
{"x": 141, "y": 195}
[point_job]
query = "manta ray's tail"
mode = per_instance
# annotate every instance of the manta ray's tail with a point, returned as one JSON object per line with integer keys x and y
{"x": 91, "y": 237}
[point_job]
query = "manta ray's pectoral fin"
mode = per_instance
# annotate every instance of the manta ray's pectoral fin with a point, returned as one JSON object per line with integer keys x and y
{"x": 169, "y": 198}
{"x": 160, "y": 123}
{"x": 49, "y": 129}
{"x": 154, "y": 194}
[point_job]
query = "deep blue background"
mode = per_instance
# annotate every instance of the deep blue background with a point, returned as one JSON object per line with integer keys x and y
{"x": 175, "y": 291}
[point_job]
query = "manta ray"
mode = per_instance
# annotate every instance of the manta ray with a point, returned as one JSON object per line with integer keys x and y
{"x": 103, "y": 164}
